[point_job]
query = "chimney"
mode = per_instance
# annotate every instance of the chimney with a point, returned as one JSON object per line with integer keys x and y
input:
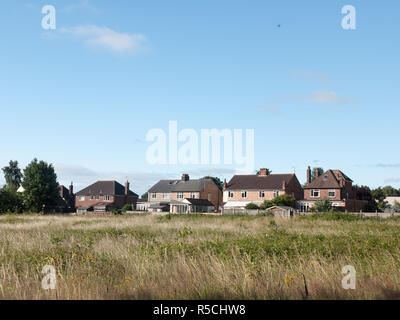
{"x": 225, "y": 184}
{"x": 263, "y": 172}
{"x": 71, "y": 189}
{"x": 284, "y": 185}
{"x": 316, "y": 173}
{"x": 126, "y": 187}
{"x": 185, "y": 177}
{"x": 308, "y": 175}
{"x": 61, "y": 191}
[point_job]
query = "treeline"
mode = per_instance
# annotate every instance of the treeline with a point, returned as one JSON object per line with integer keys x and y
{"x": 40, "y": 188}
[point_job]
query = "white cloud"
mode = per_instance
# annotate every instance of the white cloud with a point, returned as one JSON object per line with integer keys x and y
{"x": 324, "y": 97}
{"x": 102, "y": 37}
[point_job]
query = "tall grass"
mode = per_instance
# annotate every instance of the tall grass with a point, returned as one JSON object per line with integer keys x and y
{"x": 199, "y": 257}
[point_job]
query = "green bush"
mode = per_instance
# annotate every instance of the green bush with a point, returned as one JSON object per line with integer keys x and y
{"x": 323, "y": 205}
{"x": 252, "y": 206}
{"x": 127, "y": 207}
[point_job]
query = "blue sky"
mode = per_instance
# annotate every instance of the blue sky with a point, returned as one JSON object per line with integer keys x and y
{"x": 84, "y": 96}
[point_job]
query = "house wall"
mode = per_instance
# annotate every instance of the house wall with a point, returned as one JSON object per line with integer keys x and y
{"x": 215, "y": 194}
{"x": 174, "y": 195}
{"x": 252, "y": 195}
{"x": 323, "y": 193}
{"x": 160, "y": 197}
{"x": 118, "y": 200}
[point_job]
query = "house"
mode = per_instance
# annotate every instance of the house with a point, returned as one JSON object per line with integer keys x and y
{"x": 66, "y": 201}
{"x": 333, "y": 185}
{"x": 103, "y": 196}
{"x": 256, "y": 188}
{"x": 182, "y": 196}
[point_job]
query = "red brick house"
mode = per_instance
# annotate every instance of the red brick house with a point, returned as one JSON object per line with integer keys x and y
{"x": 103, "y": 196}
{"x": 256, "y": 188}
{"x": 333, "y": 185}
{"x": 66, "y": 201}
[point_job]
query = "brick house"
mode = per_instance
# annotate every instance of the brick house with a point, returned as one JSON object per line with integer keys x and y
{"x": 333, "y": 185}
{"x": 103, "y": 196}
{"x": 244, "y": 189}
{"x": 66, "y": 201}
{"x": 185, "y": 195}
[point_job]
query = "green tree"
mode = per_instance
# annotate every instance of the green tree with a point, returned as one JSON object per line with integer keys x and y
{"x": 379, "y": 196}
{"x": 323, "y": 205}
{"x": 216, "y": 180}
{"x": 252, "y": 206}
{"x": 397, "y": 205}
{"x": 283, "y": 200}
{"x": 145, "y": 196}
{"x": 10, "y": 201}
{"x": 12, "y": 175}
{"x": 41, "y": 187}
{"x": 320, "y": 172}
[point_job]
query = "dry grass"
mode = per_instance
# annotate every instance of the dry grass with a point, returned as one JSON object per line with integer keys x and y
{"x": 198, "y": 257}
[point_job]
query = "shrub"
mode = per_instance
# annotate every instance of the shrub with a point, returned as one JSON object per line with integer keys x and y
{"x": 323, "y": 205}
{"x": 127, "y": 207}
{"x": 252, "y": 206}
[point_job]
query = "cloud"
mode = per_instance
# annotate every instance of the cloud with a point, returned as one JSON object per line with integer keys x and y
{"x": 312, "y": 76}
{"x": 106, "y": 38}
{"x": 324, "y": 97}
{"x": 387, "y": 165}
{"x": 392, "y": 180}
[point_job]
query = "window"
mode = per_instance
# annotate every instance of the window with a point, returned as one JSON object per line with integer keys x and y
{"x": 81, "y": 198}
{"x": 180, "y": 195}
{"x": 230, "y": 194}
{"x": 91, "y": 197}
{"x": 193, "y": 195}
{"x": 262, "y": 194}
{"x": 331, "y": 193}
{"x": 154, "y": 195}
{"x": 106, "y": 198}
{"x": 97, "y": 197}
{"x": 209, "y": 197}
{"x": 314, "y": 193}
{"x": 244, "y": 193}
{"x": 165, "y": 195}
{"x": 276, "y": 193}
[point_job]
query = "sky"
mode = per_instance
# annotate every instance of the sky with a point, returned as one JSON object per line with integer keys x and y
{"x": 84, "y": 96}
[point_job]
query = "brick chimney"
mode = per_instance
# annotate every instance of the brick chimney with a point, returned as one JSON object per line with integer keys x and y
{"x": 61, "y": 191}
{"x": 308, "y": 175}
{"x": 263, "y": 172}
{"x": 71, "y": 189}
{"x": 126, "y": 187}
{"x": 185, "y": 177}
{"x": 225, "y": 184}
{"x": 316, "y": 173}
{"x": 284, "y": 185}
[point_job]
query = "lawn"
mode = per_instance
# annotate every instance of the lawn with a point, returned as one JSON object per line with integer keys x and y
{"x": 199, "y": 257}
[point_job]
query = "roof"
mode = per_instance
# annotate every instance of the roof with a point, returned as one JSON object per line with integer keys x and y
{"x": 199, "y": 202}
{"x": 167, "y": 186}
{"x": 328, "y": 180}
{"x": 280, "y": 207}
{"x": 257, "y": 182}
{"x": 111, "y": 188}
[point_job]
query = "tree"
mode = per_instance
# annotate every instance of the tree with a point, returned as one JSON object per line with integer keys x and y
{"x": 10, "y": 201}
{"x": 12, "y": 175}
{"x": 323, "y": 205}
{"x": 145, "y": 196}
{"x": 364, "y": 193}
{"x": 397, "y": 205}
{"x": 379, "y": 196}
{"x": 283, "y": 200}
{"x": 216, "y": 180}
{"x": 320, "y": 172}
{"x": 252, "y": 206}
{"x": 41, "y": 187}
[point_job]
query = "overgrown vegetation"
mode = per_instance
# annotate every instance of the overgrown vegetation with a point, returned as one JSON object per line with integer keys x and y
{"x": 199, "y": 257}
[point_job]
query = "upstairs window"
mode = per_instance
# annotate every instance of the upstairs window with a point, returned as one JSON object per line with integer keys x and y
{"x": 97, "y": 197}
{"x": 154, "y": 195}
{"x": 230, "y": 194}
{"x": 193, "y": 195}
{"x": 180, "y": 195}
{"x": 331, "y": 193}
{"x": 81, "y": 198}
{"x": 106, "y": 198}
{"x": 315, "y": 193}
{"x": 262, "y": 194}
{"x": 244, "y": 193}
{"x": 276, "y": 193}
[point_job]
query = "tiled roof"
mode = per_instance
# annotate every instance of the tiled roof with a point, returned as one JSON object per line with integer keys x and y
{"x": 105, "y": 188}
{"x": 257, "y": 182}
{"x": 167, "y": 186}
{"x": 328, "y": 180}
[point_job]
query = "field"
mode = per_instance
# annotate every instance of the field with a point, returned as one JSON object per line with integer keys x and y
{"x": 199, "y": 257}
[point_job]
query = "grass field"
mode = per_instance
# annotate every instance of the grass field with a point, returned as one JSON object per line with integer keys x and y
{"x": 199, "y": 257}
